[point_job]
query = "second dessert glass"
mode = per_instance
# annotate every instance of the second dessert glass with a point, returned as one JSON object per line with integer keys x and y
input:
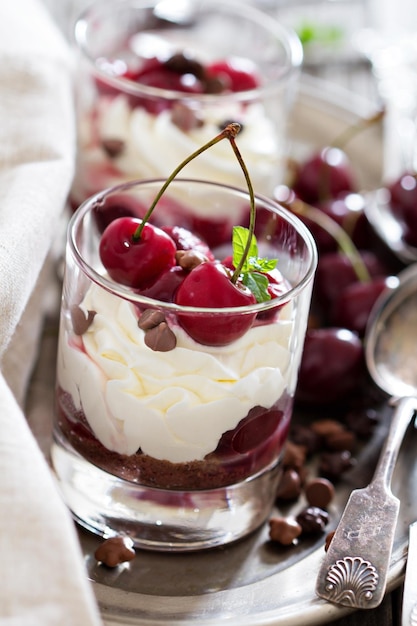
{"x": 157, "y": 79}
{"x": 171, "y": 419}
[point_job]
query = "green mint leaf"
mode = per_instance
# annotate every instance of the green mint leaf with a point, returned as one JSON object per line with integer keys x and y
{"x": 258, "y": 284}
{"x": 262, "y": 265}
{"x": 239, "y": 241}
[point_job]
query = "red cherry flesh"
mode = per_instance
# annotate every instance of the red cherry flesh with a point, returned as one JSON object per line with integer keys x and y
{"x": 208, "y": 285}
{"x": 136, "y": 263}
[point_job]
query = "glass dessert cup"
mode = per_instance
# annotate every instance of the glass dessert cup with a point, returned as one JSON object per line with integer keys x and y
{"x": 172, "y": 432}
{"x": 125, "y": 122}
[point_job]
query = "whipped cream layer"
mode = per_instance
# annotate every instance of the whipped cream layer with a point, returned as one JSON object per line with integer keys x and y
{"x": 152, "y": 146}
{"x": 172, "y": 405}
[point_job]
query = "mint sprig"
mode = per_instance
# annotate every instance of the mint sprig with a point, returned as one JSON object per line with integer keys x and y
{"x": 253, "y": 268}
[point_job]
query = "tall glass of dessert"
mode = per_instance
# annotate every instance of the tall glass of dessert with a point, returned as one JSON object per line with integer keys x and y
{"x": 156, "y": 79}
{"x": 177, "y": 368}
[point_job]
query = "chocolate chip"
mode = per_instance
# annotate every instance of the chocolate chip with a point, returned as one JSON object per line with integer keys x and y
{"x": 81, "y": 320}
{"x": 313, "y": 520}
{"x": 181, "y": 63}
{"x": 294, "y": 456}
{"x": 189, "y": 259}
{"x": 113, "y": 147}
{"x": 150, "y": 318}
{"x": 342, "y": 440}
{"x": 214, "y": 84}
{"x": 160, "y": 338}
{"x": 326, "y": 427}
{"x": 362, "y": 422}
{"x": 114, "y": 551}
{"x": 306, "y": 437}
{"x": 319, "y": 492}
{"x": 333, "y": 464}
{"x": 284, "y": 530}
{"x": 289, "y": 487}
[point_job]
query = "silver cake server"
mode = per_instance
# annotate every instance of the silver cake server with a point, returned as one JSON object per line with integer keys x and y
{"x": 354, "y": 571}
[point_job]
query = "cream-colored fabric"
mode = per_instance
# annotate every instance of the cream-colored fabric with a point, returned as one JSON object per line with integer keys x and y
{"x": 43, "y": 580}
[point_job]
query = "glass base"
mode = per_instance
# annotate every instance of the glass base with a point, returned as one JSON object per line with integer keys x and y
{"x": 157, "y": 519}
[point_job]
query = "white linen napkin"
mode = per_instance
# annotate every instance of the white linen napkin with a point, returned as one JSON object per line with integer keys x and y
{"x": 43, "y": 579}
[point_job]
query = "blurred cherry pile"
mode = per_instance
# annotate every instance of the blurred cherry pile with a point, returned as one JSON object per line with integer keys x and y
{"x": 354, "y": 268}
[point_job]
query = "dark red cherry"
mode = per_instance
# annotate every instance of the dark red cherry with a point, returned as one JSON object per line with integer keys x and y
{"x": 208, "y": 285}
{"x": 403, "y": 201}
{"x": 352, "y": 307}
{"x": 335, "y": 272}
{"x": 116, "y": 206}
{"x": 324, "y": 175}
{"x": 185, "y": 240}
{"x": 136, "y": 263}
{"x": 237, "y": 74}
{"x": 332, "y": 366}
{"x": 165, "y": 287}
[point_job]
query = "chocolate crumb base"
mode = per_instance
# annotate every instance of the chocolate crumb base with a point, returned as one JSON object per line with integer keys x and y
{"x": 214, "y": 472}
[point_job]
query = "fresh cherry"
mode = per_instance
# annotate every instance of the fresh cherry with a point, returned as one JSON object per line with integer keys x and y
{"x": 137, "y": 263}
{"x": 209, "y": 286}
{"x": 331, "y": 367}
{"x": 335, "y": 272}
{"x": 116, "y": 206}
{"x": 184, "y": 239}
{"x": 403, "y": 201}
{"x": 237, "y": 74}
{"x": 324, "y": 175}
{"x": 165, "y": 288}
{"x": 352, "y": 307}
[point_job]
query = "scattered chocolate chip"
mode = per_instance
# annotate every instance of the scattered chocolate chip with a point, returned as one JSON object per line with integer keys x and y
{"x": 313, "y": 520}
{"x": 289, "y": 487}
{"x": 114, "y": 551}
{"x": 319, "y": 492}
{"x": 326, "y": 427}
{"x": 113, "y": 147}
{"x": 214, "y": 84}
{"x": 181, "y": 63}
{"x": 362, "y": 423}
{"x": 334, "y": 464}
{"x": 342, "y": 440}
{"x": 328, "y": 540}
{"x": 189, "y": 259}
{"x": 185, "y": 118}
{"x": 284, "y": 530}
{"x": 294, "y": 456}
{"x": 306, "y": 437}
{"x": 81, "y": 320}
{"x": 160, "y": 338}
{"x": 150, "y": 318}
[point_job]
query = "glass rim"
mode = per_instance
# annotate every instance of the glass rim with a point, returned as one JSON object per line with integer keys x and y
{"x": 286, "y": 36}
{"x": 127, "y": 293}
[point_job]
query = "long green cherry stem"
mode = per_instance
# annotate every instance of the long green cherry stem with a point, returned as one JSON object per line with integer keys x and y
{"x": 229, "y": 132}
{"x": 252, "y": 214}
